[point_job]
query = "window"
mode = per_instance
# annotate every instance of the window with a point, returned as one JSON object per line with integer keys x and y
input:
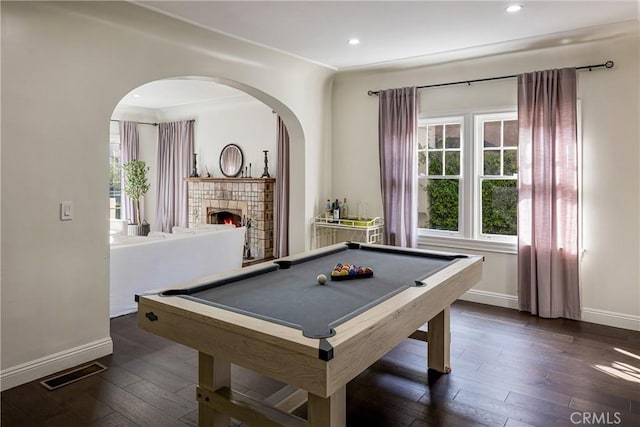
{"x": 115, "y": 172}
{"x": 467, "y": 177}
{"x": 496, "y": 145}
{"x": 440, "y": 174}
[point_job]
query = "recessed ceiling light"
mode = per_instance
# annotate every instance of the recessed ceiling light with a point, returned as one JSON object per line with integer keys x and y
{"x": 136, "y": 95}
{"x": 354, "y": 41}
{"x": 513, "y": 8}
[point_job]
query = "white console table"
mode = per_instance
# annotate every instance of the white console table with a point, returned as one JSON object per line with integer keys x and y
{"x": 327, "y": 231}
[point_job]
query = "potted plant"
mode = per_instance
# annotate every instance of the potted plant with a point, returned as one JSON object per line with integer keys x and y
{"x": 136, "y": 185}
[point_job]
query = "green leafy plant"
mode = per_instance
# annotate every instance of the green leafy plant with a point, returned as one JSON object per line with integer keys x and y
{"x": 443, "y": 202}
{"x": 499, "y": 196}
{"x": 136, "y": 182}
{"x": 500, "y": 207}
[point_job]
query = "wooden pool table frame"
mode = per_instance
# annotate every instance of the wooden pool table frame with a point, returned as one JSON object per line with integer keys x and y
{"x": 223, "y": 337}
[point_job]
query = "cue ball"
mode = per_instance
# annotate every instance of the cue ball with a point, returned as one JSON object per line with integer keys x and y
{"x": 321, "y": 279}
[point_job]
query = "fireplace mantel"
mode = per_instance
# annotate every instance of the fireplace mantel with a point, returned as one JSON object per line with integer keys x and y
{"x": 232, "y": 180}
{"x": 254, "y": 197}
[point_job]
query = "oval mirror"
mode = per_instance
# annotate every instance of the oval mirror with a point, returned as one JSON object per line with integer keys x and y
{"x": 231, "y": 160}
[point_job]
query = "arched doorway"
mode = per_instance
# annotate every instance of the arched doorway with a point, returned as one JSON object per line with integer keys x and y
{"x": 224, "y": 112}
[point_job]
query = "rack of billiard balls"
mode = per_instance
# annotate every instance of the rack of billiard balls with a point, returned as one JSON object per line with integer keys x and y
{"x": 347, "y": 272}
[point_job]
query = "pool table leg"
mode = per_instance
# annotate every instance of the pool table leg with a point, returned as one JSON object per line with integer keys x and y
{"x": 213, "y": 373}
{"x": 328, "y": 412}
{"x": 439, "y": 334}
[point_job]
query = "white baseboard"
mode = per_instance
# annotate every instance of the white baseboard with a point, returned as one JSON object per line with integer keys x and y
{"x": 591, "y": 315}
{"x": 26, "y": 372}
{"x": 491, "y": 298}
{"x": 610, "y": 318}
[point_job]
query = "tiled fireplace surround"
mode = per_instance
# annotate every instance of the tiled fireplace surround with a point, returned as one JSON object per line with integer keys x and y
{"x": 250, "y": 198}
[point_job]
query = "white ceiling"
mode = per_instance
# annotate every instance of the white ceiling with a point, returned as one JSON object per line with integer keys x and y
{"x": 389, "y": 31}
{"x": 176, "y": 92}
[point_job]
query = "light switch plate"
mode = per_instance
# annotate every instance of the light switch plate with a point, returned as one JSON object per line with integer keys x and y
{"x": 66, "y": 211}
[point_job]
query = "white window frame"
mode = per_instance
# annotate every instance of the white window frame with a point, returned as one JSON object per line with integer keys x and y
{"x": 451, "y": 120}
{"x": 466, "y": 238}
{"x": 478, "y": 174}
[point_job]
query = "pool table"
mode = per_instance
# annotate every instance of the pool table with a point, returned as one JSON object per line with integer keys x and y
{"x": 275, "y": 318}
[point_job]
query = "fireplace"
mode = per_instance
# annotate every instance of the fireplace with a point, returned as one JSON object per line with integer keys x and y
{"x": 234, "y": 216}
{"x": 244, "y": 201}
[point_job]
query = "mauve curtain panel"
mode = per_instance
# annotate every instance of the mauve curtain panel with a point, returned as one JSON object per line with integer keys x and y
{"x": 282, "y": 192}
{"x": 397, "y": 138}
{"x": 548, "y": 194}
{"x": 175, "y": 150}
{"x": 129, "y": 142}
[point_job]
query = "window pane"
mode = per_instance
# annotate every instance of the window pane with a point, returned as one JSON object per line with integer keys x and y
{"x": 115, "y": 172}
{"x": 452, "y": 134}
{"x": 435, "y": 163}
{"x": 510, "y": 133}
{"x": 114, "y": 207}
{"x": 114, "y": 175}
{"x": 492, "y": 134}
{"x": 438, "y": 204}
{"x": 491, "y": 162}
{"x": 423, "y": 202}
{"x": 422, "y": 138}
{"x": 422, "y": 162}
{"x": 499, "y": 204}
{"x": 510, "y": 162}
{"x": 452, "y": 163}
{"x": 435, "y": 136}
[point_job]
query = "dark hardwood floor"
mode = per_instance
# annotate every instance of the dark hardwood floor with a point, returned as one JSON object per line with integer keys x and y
{"x": 509, "y": 369}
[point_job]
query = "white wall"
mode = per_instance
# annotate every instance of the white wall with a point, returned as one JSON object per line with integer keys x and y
{"x": 250, "y": 125}
{"x": 68, "y": 65}
{"x": 610, "y": 269}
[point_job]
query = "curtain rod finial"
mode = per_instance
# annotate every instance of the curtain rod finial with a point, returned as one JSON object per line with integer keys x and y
{"x": 609, "y": 64}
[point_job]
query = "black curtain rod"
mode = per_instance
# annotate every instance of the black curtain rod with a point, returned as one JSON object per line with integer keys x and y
{"x": 608, "y": 64}
{"x": 141, "y": 123}
{"x": 146, "y": 123}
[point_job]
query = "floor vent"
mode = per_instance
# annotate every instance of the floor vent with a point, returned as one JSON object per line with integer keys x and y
{"x": 72, "y": 376}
